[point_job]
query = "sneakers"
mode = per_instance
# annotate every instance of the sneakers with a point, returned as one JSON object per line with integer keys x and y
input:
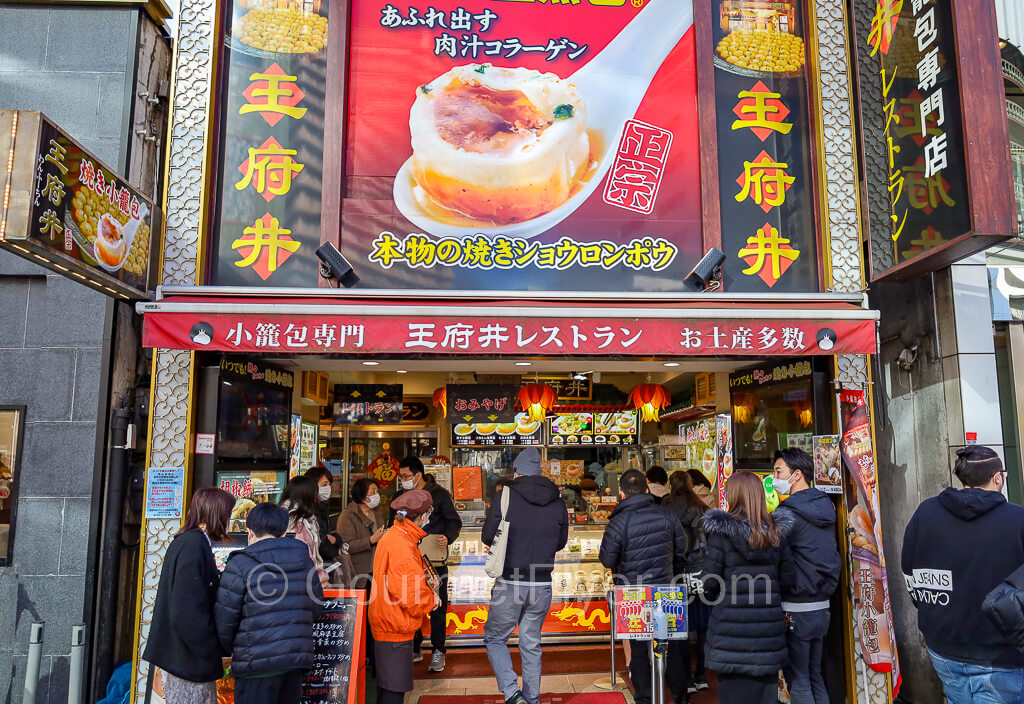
{"x": 516, "y": 698}
{"x": 436, "y": 662}
{"x": 417, "y": 656}
{"x": 691, "y": 687}
{"x": 701, "y": 684}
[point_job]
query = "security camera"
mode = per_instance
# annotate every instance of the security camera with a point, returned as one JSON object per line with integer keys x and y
{"x": 333, "y": 265}
{"x": 707, "y": 275}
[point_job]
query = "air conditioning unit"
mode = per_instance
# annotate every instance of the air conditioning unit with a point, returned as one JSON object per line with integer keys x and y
{"x": 315, "y": 388}
{"x": 705, "y": 394}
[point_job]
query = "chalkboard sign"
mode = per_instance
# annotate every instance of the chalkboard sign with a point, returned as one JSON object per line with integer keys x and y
{"x": 339, "y": 641}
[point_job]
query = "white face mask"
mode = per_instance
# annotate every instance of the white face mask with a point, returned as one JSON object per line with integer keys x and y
{"x": 324, "y": 492}
{"x": 408, "y": 485}
{"x": 373, "y": 501}
{"x": 783, "y": 486}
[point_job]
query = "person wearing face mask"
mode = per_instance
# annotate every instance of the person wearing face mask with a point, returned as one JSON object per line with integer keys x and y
{"x": 958, "y": 547}
{"x": 360, "y": 529}
{"x": 299, "y": 499}
{"x": 446, "y": 524}
{"x": 330, "y": 542}
{"x": 808, "y": 521}
{"x": 401, "y": 595}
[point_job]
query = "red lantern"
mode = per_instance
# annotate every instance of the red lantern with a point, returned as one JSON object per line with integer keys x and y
{"x": 649, "y": 399}
{"x": 536, "y": 400}
{"x": 441, "y": 400}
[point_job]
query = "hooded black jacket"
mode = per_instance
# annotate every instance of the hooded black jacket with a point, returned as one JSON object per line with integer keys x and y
{"x": 539, "y": 527}
{"x": 269, "y": 597}
{"x": 643, "y": 543}
{"x": 444, "y": 519}
{"x": 747, "y": 628}
{"x": 957, "y": 547}
{"x": 691, "y": 520}
{"x": 811, "y": 535}
{"x": 183, "y": 637}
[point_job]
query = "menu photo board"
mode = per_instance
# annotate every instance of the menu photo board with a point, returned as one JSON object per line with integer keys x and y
{"x": 570, "y": 429}
{"x": 522, "y": 431}
{"x": 367, "y": 404}
{"x": 65, "y": 209}
{"x": 635, "y": 608}
{"x": 828, "y": 473}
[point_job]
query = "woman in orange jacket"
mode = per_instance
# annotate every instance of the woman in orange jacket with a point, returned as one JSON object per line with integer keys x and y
{"x": 401, "y": 595}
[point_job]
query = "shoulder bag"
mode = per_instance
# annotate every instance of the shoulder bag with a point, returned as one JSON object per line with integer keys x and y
{"x": 495, "y": 564}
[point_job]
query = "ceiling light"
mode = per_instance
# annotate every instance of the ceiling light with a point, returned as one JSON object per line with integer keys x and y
{"x": 370, "y": 364}
{"x": 523, "y": 364}
{"x": 401, "y": 371}
{"x": 579, "y": 376}
{"x": 671, "y": 364}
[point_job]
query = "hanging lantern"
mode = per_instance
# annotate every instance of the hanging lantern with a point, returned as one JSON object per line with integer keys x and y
{"x": 649, "y": 399}
{"x": 536, "y": 400}
{"x": 441, "y": 400}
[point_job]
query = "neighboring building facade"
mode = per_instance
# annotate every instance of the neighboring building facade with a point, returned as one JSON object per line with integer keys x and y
{"x": 67, "y": 353}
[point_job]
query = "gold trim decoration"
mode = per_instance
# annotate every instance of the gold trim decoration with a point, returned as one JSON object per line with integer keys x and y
{"x": 170, "y": 398}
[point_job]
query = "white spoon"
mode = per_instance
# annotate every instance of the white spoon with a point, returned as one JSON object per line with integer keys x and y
{"x": 612, "y": 86}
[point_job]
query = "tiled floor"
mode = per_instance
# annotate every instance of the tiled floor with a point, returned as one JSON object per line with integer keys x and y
{"x": 487, "y": 685}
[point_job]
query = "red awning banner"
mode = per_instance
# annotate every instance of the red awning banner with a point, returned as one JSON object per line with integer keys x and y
{"x": 455, "y": 329}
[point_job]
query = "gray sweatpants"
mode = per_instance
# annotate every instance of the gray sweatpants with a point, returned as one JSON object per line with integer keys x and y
{"x": 523, "y": 604}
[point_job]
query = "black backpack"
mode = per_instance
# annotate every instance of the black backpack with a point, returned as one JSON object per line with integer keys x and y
{"x": 1004, "y": 605}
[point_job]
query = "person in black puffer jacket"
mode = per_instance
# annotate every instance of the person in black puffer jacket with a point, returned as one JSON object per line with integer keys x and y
{"x": 645, "y": 544}
{"x": 268, "y": 599}
{"x": 746, "y": 642}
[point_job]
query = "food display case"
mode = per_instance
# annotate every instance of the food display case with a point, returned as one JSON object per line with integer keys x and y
{"x": 571, "y": 446}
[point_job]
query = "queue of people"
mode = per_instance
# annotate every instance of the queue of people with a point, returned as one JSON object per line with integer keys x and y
{"x": 764, "y": 582}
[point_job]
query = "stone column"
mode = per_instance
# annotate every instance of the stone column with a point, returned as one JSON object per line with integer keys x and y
{"x": 172, "y": 369}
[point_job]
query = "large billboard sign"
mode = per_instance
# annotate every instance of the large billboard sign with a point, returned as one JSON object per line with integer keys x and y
{"x": 66, "y": 210}
{"x": 487, "y": 144}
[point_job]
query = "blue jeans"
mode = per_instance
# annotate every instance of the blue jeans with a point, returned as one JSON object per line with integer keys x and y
{"x": 517, "y": 604}
{"x": 805, "y": 641}
{"x": 965, "y": 683}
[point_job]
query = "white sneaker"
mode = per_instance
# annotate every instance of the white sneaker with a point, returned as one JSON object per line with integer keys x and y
{"x": 417, "y": 656}
{"x": 436, "y": 662}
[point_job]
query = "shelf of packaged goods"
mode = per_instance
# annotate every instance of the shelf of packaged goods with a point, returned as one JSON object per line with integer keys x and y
{"x": 573, "y": 560}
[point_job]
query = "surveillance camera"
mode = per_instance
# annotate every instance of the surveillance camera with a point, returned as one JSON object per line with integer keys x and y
{"x": 708, "y": 272}
{"x": 333, "y": 265}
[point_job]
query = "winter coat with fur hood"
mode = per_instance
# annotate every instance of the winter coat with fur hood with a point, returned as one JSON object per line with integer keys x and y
{"x": 747, "y": 629}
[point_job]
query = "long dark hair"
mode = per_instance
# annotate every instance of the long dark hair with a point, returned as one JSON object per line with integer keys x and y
{"x": 212, "y": 508}
{"x": 681, "y": 487}
{"x": 745, "y": 493}
{"x": 301, "y": 493}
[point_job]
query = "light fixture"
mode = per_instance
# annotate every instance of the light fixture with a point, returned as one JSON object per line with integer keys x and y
{"x": 441, "y": 400}
{"x": 670, "y": 364}
{"x": 579, "y": 376}
{"x": 536, "y": 400}
{"x": 371, "y": 364}
{"x": 524, "y": 364}
{"x": 649, "y": 399}
{"x": 401, "y": 371}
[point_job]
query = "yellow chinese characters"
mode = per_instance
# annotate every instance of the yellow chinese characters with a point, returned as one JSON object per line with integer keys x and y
{"x": 268, "y": 245}
{"x": 269, "y": 169}
{"x": 764, "y": 181}
{"x": 768, "y": 255}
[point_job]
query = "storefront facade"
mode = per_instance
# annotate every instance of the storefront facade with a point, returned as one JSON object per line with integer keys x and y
{"x": 430, "y": 306}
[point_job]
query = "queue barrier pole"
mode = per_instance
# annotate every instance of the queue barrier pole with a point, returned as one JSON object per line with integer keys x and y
{"x": 613, "y": 681}
{"x": 77, "y": 658}
{"x": 35, "y": 655}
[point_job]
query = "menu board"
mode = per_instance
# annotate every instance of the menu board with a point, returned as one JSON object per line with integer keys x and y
{"x": 522, "y": 431}
{"x": 699, "y": 438}
{"x": 250, "y": 488}
{"x": 338, "y": 650}
{"x": 635, "y": 608}
{"x": 562, "y": 472}
{"x": 467, "y": 484}
{"x": 594, "y": 428}
{"x": 481, "y": 403}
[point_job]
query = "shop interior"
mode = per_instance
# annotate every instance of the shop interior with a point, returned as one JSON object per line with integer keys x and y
{"x": 273, "y": 418}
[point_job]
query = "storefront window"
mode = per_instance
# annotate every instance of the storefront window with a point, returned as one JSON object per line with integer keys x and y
{"x": 12, "y": 423}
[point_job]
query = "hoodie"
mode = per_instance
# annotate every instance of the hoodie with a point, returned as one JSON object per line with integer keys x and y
{"x": 269, "y": 597}
{"x": 957, "y": 548}
{"x": 539, "y": 527}
{"x": 747, "y": 628}
{"x": 811, "y": 535}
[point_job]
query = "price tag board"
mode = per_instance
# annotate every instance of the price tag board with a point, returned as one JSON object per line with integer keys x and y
{"x": 339, "y": 650}
{"x": 635, "y": 607}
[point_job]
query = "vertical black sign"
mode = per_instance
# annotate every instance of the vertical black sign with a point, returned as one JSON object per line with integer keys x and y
{"x": 764, "y": 161}
{"x": 335, "y": 670}
{"x": 271, "y": 145}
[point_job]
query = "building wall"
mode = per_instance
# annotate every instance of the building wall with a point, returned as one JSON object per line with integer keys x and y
{"x": 78, "y": 66}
